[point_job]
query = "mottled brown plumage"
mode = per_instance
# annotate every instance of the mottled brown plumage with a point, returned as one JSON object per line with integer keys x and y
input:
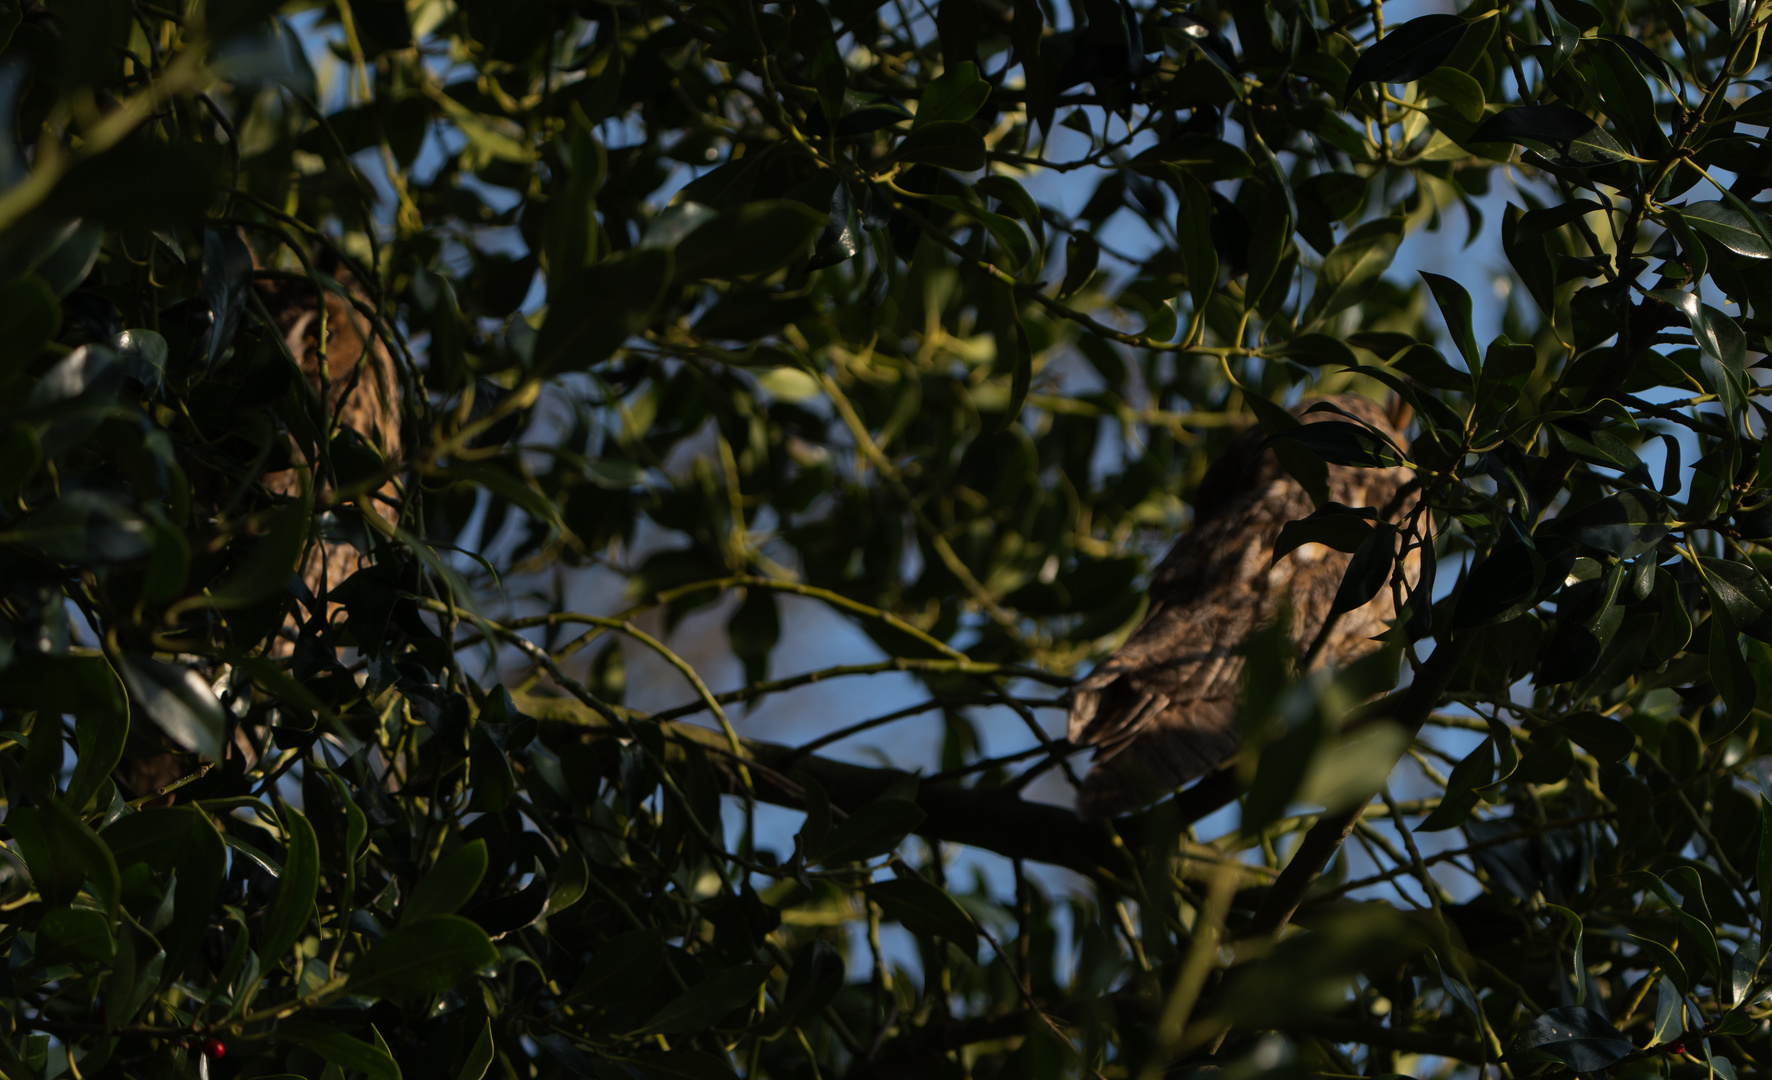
{"x": 1162, "y": 709}
{"x": 362, "y": 390}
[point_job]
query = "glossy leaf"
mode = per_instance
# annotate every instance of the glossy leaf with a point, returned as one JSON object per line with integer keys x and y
{"x": 1562, "y": 134}
{"x": 1730, "y": 226}
{"x": 1408, "y": 51}
{"x": 1575, "y": 1036}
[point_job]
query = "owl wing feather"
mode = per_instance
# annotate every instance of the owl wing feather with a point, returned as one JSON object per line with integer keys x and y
{"x": 1161, "y": 710}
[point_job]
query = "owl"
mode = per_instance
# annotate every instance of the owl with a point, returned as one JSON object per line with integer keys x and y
{"x": 363, "y": 393}
{"x": 1161, "y": 710}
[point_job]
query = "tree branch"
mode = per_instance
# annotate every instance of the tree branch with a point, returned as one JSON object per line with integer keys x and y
{"x": 982, "y": 818}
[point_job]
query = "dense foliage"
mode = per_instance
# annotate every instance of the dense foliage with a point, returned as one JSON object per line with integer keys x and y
{"x": 931, "y": 315}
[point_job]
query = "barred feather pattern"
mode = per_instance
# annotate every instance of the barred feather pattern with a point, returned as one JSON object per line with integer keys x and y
{"x": 363, "y": 393}
{"x": 1161, "y": 710}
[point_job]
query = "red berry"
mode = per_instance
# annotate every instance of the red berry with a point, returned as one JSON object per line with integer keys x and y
{"x": 1676, "y": 1047}
{"x": 212, "y": 1047}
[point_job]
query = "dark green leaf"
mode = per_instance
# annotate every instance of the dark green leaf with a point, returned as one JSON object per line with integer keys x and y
{"x": 1575, "y": 1036}
{"x": 64, "y": 855}
{"x": 924, "y": 909}
{"x": 1601, "y": 447}
{"x": 480, "y": 1058}
{"x": 1010, "y": 193}
{"x": 1353, "y": 269}
{"x": 600, "y": 308}
{"x": 179, "y": 702}
{"x": 622, "y": 966}
{"x": 1456, "y": 89}
{"x": 1341, "y": 442}
{"x": 1193, "y": 238}
{"x": 1475, "y": 772}
{"x": 952, "y": 97}
{"x": 1626, "y": 524}
{"x": 427, "y": 956}
{"x": 757, "y": 238}
{"x": 1279, "y": 772}
{"x": 73, "y": 936}
{"x": 1368, "y": 570}
{"x": 1730, "y": 226}
{"x": 1562, "y": 134}
{"x": 1407, "y": 52}
{"x": 1455, "y": 306}
{"x": 944, "y": 144}
{"x": 1764, "y": 870}
{"x": 99, "y": 735}
{"x": 706, "y": 1004}
{"x": 1081, "y": 254}
{"x": 29, "y": 317}
{"x": 1333, "y": 525}
{"x": 1729, "y": 673}
{"x": 1501, "y": 588}
{"x": 288, "y": 916}
{"x": 1665, "y": 960}
{"x": 1670, "y": 1015}
{"x": 817, "y": 40}
{"x": 1606, "y": 739}
{"x": 449, "y": 884}
{"x": 1740, "y": 594}
{"x": 871, "y": 830}
{"x": 340, "y": 1049}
